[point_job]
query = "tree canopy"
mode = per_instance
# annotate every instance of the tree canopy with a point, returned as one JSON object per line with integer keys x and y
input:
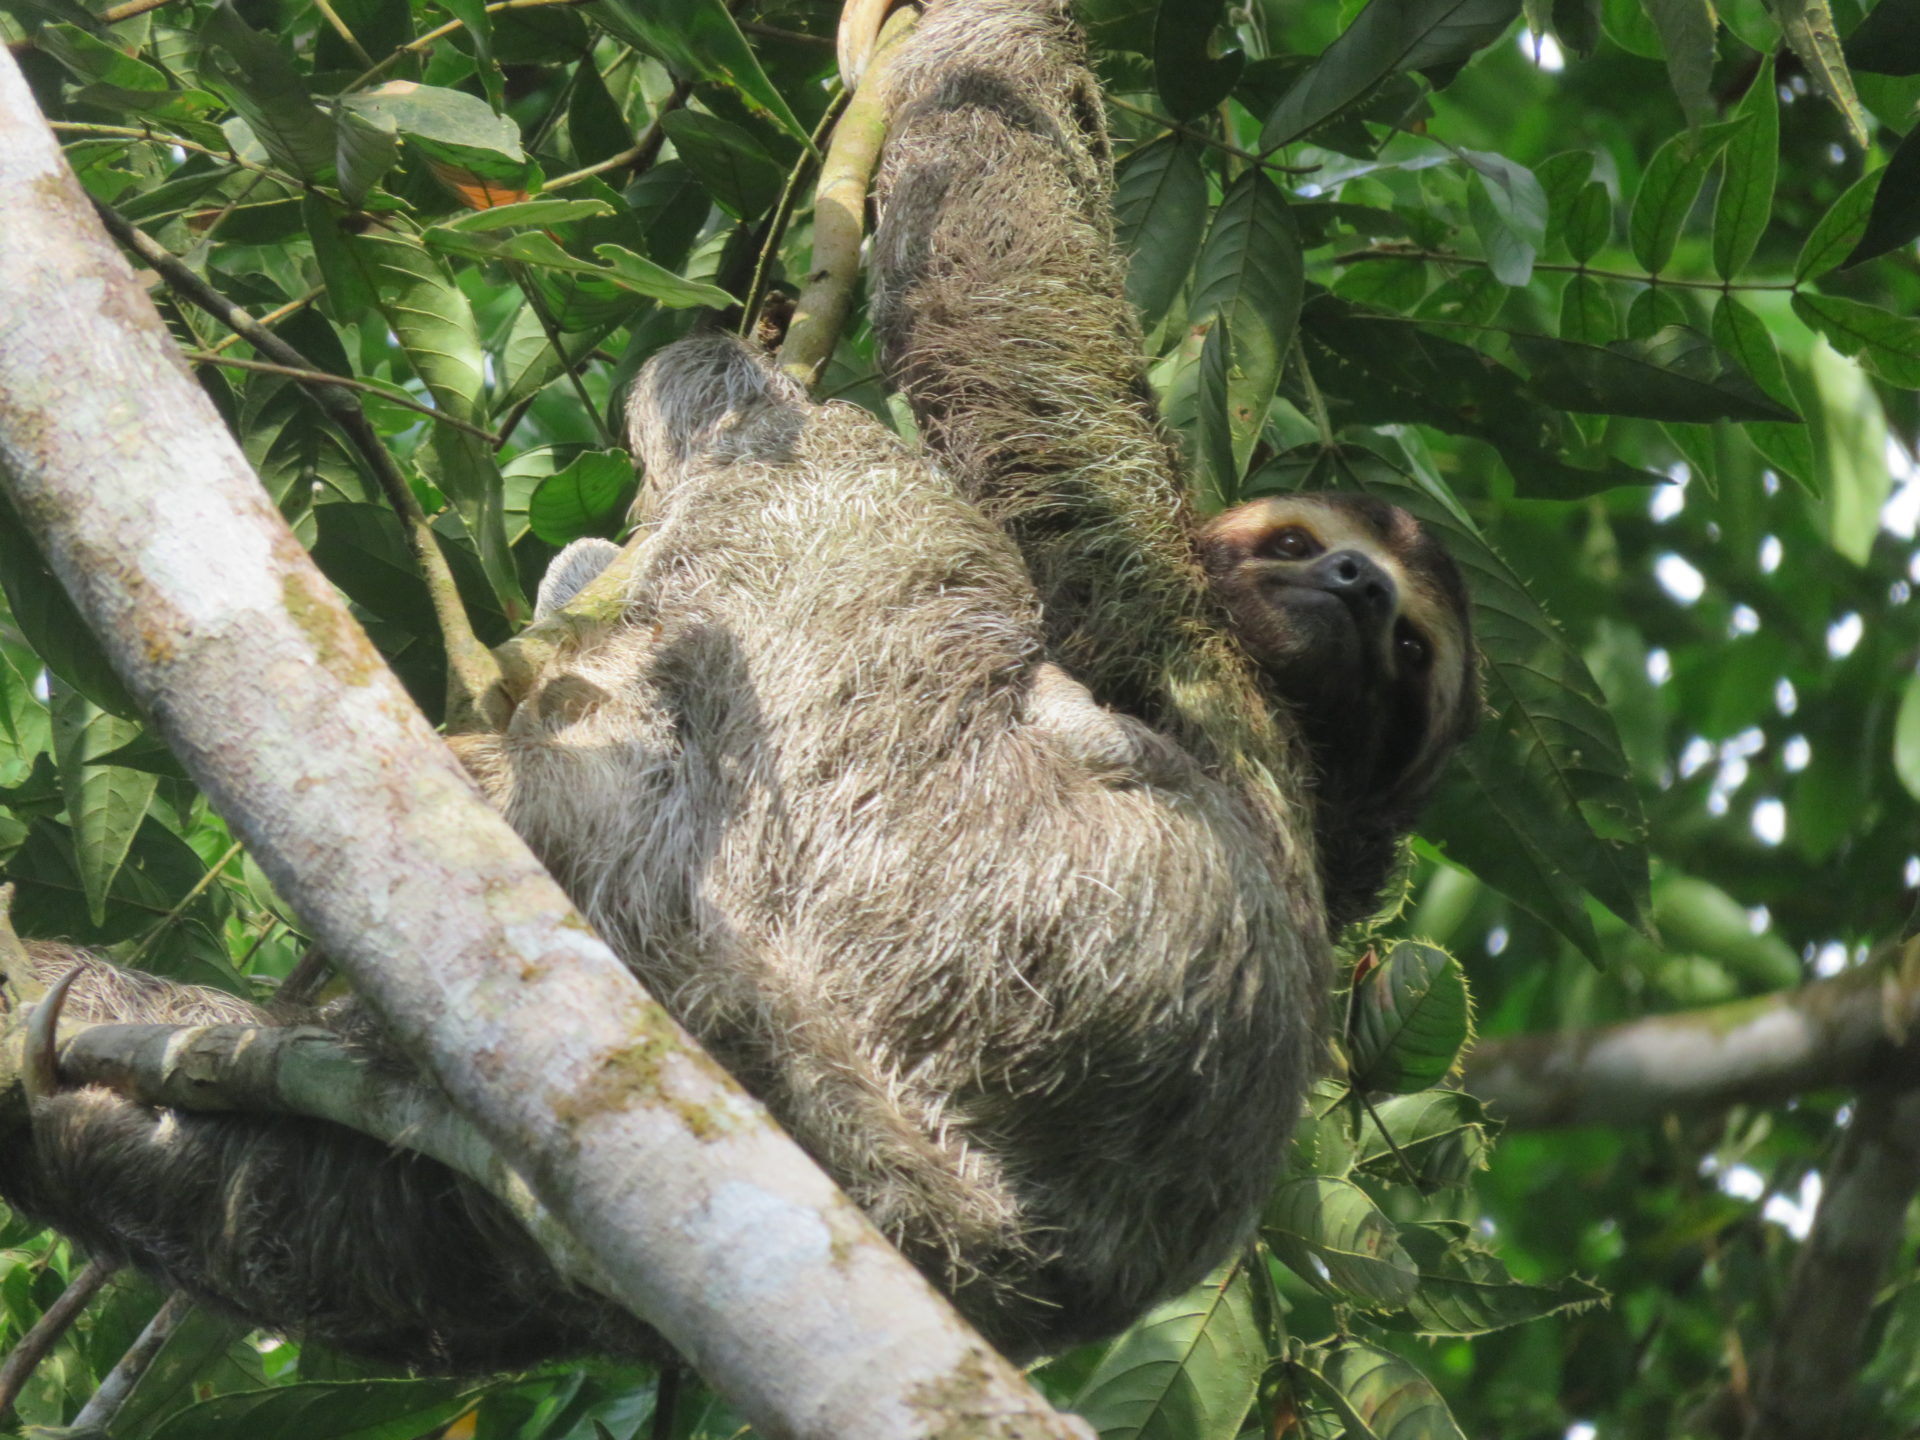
{"x": 1618, "y": 1136}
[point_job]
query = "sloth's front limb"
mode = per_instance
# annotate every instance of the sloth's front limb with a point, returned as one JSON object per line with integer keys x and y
{"x": 285, "y": 1220}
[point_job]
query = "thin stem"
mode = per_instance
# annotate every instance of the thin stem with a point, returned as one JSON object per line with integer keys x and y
{"x": 774, "y": 32}
{"x": 640, "y": 156}
{"x": 440, "y": 32}
{"x": 1442, "y": 258}
{"x": 271, "y": 318}
{"x": 160, "y": 137}
{"x": 97, "y": 1415}
{"x": 1206, "y": 139}
{"x": 473, "y": 675}
{"x": 551, "y": 330}
{"x": 340, "y": 28}
{"x": 36, "y": 1344}
{"x": 1316, "y": 402}
{"x": 180, "y": 906}
{"x": 310, "y": 376}
{"x": 783, "y": 213}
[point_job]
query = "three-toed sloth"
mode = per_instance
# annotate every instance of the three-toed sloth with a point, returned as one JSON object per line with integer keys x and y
{"x": 984, "y": 815}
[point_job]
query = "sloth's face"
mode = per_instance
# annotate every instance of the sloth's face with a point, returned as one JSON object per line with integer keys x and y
{"x": 1359, "y": 620}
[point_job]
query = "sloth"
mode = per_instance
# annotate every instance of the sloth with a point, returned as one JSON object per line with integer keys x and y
{"x": 933, "y": 792}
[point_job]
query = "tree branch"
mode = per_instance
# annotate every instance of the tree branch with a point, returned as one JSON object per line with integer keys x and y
{"x": 1840, "y": 1032}
{"x": 840, "y": 215}
{"x": 1817, "y": 1345}
{"x": 281, "y": 710}
{"x": 35, "y": 1345}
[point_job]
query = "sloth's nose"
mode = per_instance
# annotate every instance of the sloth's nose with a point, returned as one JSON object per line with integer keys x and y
{"x": 1358, "y": 581}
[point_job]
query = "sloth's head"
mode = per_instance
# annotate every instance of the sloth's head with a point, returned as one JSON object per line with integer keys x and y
{"x": 1359, "y": 620}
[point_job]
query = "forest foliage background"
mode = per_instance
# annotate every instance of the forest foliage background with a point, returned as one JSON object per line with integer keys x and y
{"x": 1621, "y": 299}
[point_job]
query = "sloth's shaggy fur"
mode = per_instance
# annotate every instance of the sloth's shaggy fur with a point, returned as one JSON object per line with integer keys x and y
{"x": 930, "y": 796}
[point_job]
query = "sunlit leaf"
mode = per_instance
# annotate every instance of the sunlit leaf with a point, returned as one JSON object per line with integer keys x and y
{"x": 105, "y": 803}
{"x": 1810, "y": 30}
{"x": 1840, "y": 229}
{"x": 1509, "y": 211}
{"x": 1745, "y": 202}
{"x": 1886, "y": 344}
{"x": 1379, "y": 1396}
{"x": 1332, "y": 1235}
{"x": 1185, "y": 1371}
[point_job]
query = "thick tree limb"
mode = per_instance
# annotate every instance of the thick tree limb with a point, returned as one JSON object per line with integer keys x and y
{"x": 1845, "y": 1031}
{"x": 704, "y": 1218}
{"x": 1818, "y": 1338}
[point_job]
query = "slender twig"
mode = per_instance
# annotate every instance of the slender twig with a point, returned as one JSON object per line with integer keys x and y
{"x": 473, "y": 675}
{"x": 440, "y": 32}
{"x": 161, "y": 137}
{"x": 640, "y": 155}
{"x": 1215, "y": 141}
{"x": 272, "y": 318}
{"x": 159, "y": 928}
{"x": 97, "y": 1415}
{"x": 551, "y": 330}
{"x": 774, "y": 32}
{"x": 34, "y": 1346}
{"x": 840, "y": 212}
{"x": 332, "y": 18}
{"x": 1394, "y": 252}
{"x": 666, "y": 1399}
{"x": 309, "y": 376}
{"x": 1316, "y": 402}
{"x": 783, "y": 214}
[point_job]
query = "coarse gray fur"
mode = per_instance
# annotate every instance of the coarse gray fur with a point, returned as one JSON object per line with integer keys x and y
{"x": 933, "y": 800}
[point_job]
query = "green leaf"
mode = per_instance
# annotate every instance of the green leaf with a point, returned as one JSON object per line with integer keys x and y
{"x": 270, "y": 93}
{"x": 643, "y": 277}
{"x": 1840, "y": 230}
{"x": 325, "y": 1410}
{"x": 1589, "y": 222}
{"x": 1251, "y": 272}
{"x": 1674, "y": 374}
{"x": 50, "y": 624}
{"x": 1906, "y": 737}
{"x": 1885, "y": 344}
{"x": 736, "y": 168}
{"x": 1509, "y": 211}
{"x": 1686, "y": 36}
{"x": 1887, "y": 42}
{"x": 1191, "y": 81}
{"x": 1443, "y": 1136}
{"x": 1410, "y": 1016}
{"x": 583, "y": 499}
{"x": 1379, "y": 1396}
{"x": 1386, "y": 38}
{"x": 1810, "y": 31}
{"x": 1744, "y": 335}
{"x": 698, "y": 40}
{"x": 624, "y": 269}
{"x": 1465, "y": 1289}
{"x": 363, "y": 154}
{"x": 1187, "y": 1370}
{"x": 1213, "y": 419}
{"x": 187, "y": 1356}
{"x": 1745, "y": 202}
{"x": 1160, "y": 214}
{"x": 105, "y": 803}
{"x": 1586, "y": 314}
{"x": 1670, "y": 186}
{"x": 1331, "y": 1234}
{"x": 526, "y": 212}
{"x": 1561, "y": 178}
{"x": 1895, "y": 218}
{"x": 443, "y": 117}
{"x": 93, "y": 59}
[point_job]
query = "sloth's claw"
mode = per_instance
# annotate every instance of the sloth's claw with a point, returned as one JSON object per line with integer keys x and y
{"x": 40, "y": 1074}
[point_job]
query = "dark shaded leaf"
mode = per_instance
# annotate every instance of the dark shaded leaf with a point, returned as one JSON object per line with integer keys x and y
{"x": 1895, "y": 217}
{"x": 1813, "y": 36}
{"x": 1744, "y": 335}
{"x": 1887, "y": 42}
{"x": 735, "y": 168}
{"x": 698, "y": 40}
{"x": 444, "y": 117}
{"x": 264, "y": 87}
{"x": 1674, "y": 374}
{"x": 1160, "y": 214}
{"x": 1191, "y": 81}
{"x": 1686, "y": 36}
{"x": 1589, "y": 222}
{"x": 1386, "y": 38}
{"x": 325, "y": 1410}
{"x": 105, "y": 803}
